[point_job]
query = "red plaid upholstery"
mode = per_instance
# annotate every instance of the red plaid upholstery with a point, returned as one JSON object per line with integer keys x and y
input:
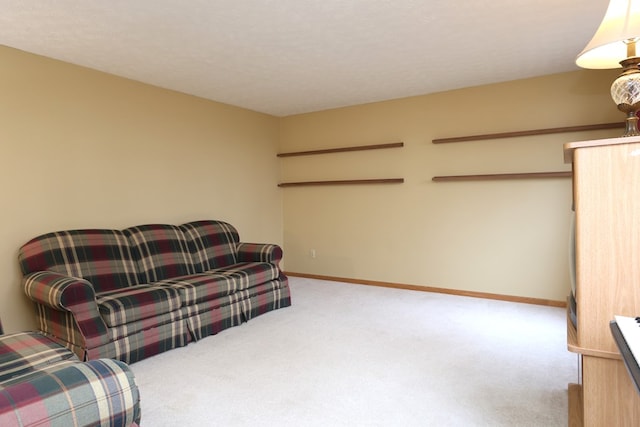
{"x": 146, "y": 342}
{"x": 25, "y": 352}
{"x": 102, "y": 257}
{"x": 249, "y": 274}
{"x": 211, "y": 317}
{"x": 173, "y": 284}
{"x": 212, "y": 244}
{"x": 161, "y": 252}
{"x": 96, "y": 393}
{"x": 266, "y": 297}
{"x": 44, "y": 384}
{"x": 67, "y": 308}
{"x": 259, "y": 252}
{"x": 137, "y": 303}
{"x": 201, "y": 287}
{"x": 218, "y": 283}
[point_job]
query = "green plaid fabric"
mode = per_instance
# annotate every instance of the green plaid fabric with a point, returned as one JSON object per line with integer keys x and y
{"x": 156, "y": 287}
{"x": 161, "y": 252}
{"x": 266, "y": 297}
{"x": 96, "y": 393}
{"x": 212, "y": 244}
{"x": 249, "y": 274}
{"x": 67, "y": 333}
{"x": 172, "y": 318}
{"x": 25, "y": 352}
{"x": 259, "y": 252}
{"x": 218, "y": 283}
{"x": 66, "y": 308}
{"x": 102, "y": 257}
{"x": 44, "y": 384}
{"x": 211, "y": 317}
{"x": 137, "y": 303}
{"x": 133, "y": 347}
{"x": 201, "y": 287}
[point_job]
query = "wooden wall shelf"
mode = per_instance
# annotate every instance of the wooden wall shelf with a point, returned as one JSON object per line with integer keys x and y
{"x": 547, "y": 131}
{"x": 343, "y": 149}
{"x": 343, "y": 182}
{"x": 501, "y": 176}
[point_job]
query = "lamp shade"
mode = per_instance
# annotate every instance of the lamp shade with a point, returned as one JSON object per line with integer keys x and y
{"x": 607, "y": 47}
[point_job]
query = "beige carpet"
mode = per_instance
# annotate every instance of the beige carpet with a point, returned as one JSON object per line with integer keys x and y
{"x": 352, "y": 355}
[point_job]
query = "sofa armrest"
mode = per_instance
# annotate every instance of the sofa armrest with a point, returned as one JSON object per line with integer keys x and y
{"x": 57, "y": 290}
{"x": 100, "y": 392}
{"x": 259, "y": 252}
{"x": 67, "y": 295}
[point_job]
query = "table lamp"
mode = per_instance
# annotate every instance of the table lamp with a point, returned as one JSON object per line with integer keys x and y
{"x": 614, "y": 46}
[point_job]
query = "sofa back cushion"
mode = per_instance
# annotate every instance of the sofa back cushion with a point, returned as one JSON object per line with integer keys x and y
{"x": 161, "y": 252}
{"x": 103, "y": 257}
{"x": 212, "y": 244}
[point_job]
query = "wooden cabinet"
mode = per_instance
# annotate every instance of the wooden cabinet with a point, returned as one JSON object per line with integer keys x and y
{"x": 606, "y": 180}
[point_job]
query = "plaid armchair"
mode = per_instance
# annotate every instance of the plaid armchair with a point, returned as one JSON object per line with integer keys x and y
{"x": 44, "y": 384}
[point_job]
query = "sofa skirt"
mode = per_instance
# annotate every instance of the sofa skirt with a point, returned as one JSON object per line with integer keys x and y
{"x": 211, "y": 317}
{"x": 133, "y": 342}
{"x": 264, "y": 298}
{"x": 143, "y": 344}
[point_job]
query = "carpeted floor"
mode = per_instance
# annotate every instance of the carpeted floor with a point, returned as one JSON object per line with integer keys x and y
{"x": 353, "y": 355}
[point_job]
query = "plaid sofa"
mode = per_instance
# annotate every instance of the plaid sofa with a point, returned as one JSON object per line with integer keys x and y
{"x": 129, "y": 294}
{"x": 44, "y": 384}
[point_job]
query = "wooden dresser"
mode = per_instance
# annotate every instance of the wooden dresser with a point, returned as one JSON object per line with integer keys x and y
{"x": 606, "y": 192}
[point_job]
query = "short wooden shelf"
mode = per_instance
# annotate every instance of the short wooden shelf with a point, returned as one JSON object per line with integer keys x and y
{"x": 576, "y": 415}
{"x": 343, "y": 182}
{"x": 546, "y": 131}
{"x": 501, "y": 176}
{"x": 343, "y": 149}
{"x": 574, "y": 347}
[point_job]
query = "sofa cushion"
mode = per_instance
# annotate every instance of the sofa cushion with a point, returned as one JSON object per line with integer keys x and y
{"x": 212, "y": 244}
{"x": 103, "y": 257}
{"x": 201, "y": 287}
{"x": 25, "y": 352}
{"x": 214, "y": 284}
{"x": 161, "y": 252}
{"x": 136, "y": 303}
{"x": 249, "y": 274}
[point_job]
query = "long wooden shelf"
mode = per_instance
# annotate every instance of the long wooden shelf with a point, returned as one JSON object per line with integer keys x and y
{"x": 501, "y": 176}
{"x": 343, "y": 149}
{"x": 343, "y": 182}
{"x": 546, "y": 131}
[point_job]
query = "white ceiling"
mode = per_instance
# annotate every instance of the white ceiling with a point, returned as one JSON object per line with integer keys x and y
{"x": 285, "y": 57}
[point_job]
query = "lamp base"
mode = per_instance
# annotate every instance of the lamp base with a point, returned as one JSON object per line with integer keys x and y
{"x": 625, "y": 92}
{"x": 631, "y": 123}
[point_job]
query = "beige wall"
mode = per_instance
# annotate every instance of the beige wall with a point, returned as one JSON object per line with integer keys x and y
{"x": 86, "y": 149}
{"x": 504, "y": 237}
